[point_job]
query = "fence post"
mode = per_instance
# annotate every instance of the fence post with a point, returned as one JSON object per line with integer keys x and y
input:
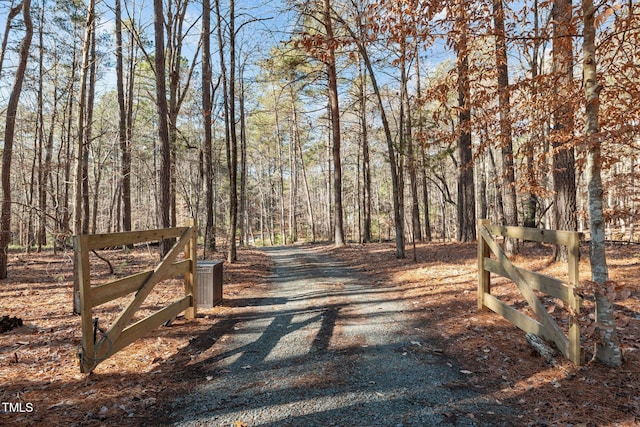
{"x": 190, "y": 278}
{"x": 575, "y": 302}
{"x": 87, "y": 352}
{"x": 484, "y": 277}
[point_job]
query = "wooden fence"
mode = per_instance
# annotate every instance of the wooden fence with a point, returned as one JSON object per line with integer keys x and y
{"x": 527, "y": 281}
{"x": 97, "y": 346}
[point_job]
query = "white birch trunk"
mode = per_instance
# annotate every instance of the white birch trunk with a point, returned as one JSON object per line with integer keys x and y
{"x": 608, "y": 348}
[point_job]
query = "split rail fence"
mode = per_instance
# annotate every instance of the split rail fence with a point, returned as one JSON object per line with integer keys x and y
{"x": 97, "y": 345}
{"x": 527, "y": 282}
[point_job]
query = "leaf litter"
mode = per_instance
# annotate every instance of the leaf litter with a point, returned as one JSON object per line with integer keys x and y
{"x": 493, "y": 354}
{"x": 39, "y": 363}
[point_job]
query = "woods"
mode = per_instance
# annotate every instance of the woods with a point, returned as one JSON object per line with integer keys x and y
{"x": 327, "y": 120}
{"x": 9, "y": 133}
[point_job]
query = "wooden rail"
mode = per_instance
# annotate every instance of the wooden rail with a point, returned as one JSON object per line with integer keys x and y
{"x": 528, "y": 281}
{"x": 98, "y": 346}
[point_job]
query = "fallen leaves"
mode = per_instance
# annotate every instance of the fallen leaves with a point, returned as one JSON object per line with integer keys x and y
{"x": 611, "y": 289}
{"x": 38, "y": 360}
{"x": 441, "y": 287}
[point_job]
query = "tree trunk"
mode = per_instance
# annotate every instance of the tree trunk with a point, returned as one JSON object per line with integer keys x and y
{"x": 338, "y": 227}
{"x": 428, "y": 233}
{"x": 225, "y": 96}
{"x": 564, "y": 181}
{"x": 13, "y": 12}
{"x": 506, "y": 140}
{"x": 124, "y": 202}
{"x": 82, "y": 178}
{"x": 483, "y": 189}
{"x": 46, "y": 175}
{"x": 97, "y": 173}
{"x": 633, "y": 201}
{"x": 531, "y": 202}
{"x": 65, "y": 156}
{"x": 496, "y": 188}
{"x": 207, "y": 121}
{"x": 44, "y": 168}
{"x": 30, "y": 188}
{"x": 466, "y": 191}
{"x": 409, "y": 143}
{"x": 178, "y": 85}
{"x": 328, "y": 200}
{"x": 423, "y": 155}
{"x": 395, "y": 173}
{"x": 244, "y": 214}
{"x": 233, "y": 151}
{"x": 9, "y": 131}
{"x": 173, "y": 60}
{"x": 163, "y": 125}
{"x": 366, "y": 167}
{"x": 88, "y": 134}
{"x": 293, "y": 179}
{"x": 124, "y": 135}
{"x": 281, "y": 173}
{"x": 305, "y": 183}
{"x": 608, "y": 347}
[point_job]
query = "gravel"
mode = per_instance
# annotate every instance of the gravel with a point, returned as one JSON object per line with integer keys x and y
{"x": 326, "y": 347}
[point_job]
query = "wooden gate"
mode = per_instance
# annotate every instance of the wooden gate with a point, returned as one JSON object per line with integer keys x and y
{"x": 527, "y": 281}
{"x": 96, "y": 345}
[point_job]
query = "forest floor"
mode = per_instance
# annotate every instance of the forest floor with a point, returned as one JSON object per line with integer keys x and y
{"x": 40, "y": 380}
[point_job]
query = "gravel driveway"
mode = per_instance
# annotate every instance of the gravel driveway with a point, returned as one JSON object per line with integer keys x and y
{"x": 326, "y": 347}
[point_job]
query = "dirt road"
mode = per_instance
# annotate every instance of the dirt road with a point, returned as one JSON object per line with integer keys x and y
{"x": 323, "y": 347}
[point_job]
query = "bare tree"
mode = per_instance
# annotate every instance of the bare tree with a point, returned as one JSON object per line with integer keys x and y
{"x": 207, "y": 119}
{"x": 531, "y": 203}
{"x": 44, "y": 167}
{"x": 608, "y": 347}
{"x": 82, "y": 178}
{"x": 408, "y": 139}
{"x": 423, "y": 155}
{"x": 330, "y": 62}
{"x": 179, "y": 81}
{"x": 232, "y": 142}
{"x": 13, "y": 12}
{"x": 163, "y": 125}
{"x": 9, "y": 132}
{"x": 124, "y": 133}
{"x": 366, "y": 163}
{"x": 81, "y": 211}
{"x": 88, "y": 133}
{"x": 398, "y": 199}
{"x": 506, "y": 141}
